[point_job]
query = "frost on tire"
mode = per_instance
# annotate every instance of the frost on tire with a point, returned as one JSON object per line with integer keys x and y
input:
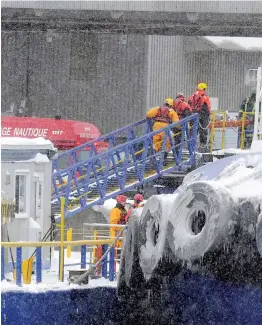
{"x": 130, "y": 283}
{"x": 259, "y": 233}
{"x": 154, "y": 223}
{"x": 201, "y": 219}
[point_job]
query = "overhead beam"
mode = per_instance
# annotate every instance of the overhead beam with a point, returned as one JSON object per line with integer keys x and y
{"x": 133, "y": 22}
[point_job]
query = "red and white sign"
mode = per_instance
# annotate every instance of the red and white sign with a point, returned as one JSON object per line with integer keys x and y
{"x": 64, "y": 134}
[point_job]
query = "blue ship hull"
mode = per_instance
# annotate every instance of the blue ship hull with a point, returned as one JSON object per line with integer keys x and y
{"x": 189, "y": 299}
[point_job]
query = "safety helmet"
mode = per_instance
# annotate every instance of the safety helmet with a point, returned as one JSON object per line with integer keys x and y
{"x": 180, "y": 95}
{"x": 201, "y": 86}
{"x": 121, "y": 198}
{"x": 169, "y": 101}
{"x": 138, "y": 197}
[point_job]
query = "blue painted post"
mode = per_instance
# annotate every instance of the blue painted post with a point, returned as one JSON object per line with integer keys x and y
{"x": 112, "y": 264}
{"x": 83, "y": 256}
{"x": 104, "y": 265}
{"x": 18, "y": 266}
{"x": 38, "y": 264}
{"x": 2, "y": 263}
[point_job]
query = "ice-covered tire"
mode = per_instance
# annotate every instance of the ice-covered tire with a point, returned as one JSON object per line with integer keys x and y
{"x": 130, "y": 282}
{"x": 201, "y": 219}
{"x": 154, "y": 223}
{"x": 133, "y": 271}
{"x": 259, "y": 233}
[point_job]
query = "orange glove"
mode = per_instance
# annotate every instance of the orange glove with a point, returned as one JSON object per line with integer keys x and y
{"x": 129, "y": 214}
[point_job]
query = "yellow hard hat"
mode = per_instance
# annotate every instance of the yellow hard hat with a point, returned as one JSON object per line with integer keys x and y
{"x": 201, "y": 86}
{"x": 169, "y": 101}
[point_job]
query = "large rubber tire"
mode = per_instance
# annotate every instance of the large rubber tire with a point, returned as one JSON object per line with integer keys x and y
{"x": 154, "y": 223}
{"x": 201, "y": 219}
{"x": 259, "y": 233}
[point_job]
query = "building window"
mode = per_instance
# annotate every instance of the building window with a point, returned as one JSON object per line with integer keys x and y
{"x": 21, "y": 193}
{"x": 83, "y": 58}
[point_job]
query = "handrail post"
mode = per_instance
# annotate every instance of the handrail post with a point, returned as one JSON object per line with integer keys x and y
{"x": 242, "y": 144}
{"x": 38, "y": 264}
{"x": 112, "y": 264}
{"x": 2, "y": 263}
{"x": 83, "y": 256}
{"x": 61, "y": 264}
{"x": 69, "y": 235}
{"x": 93, "y": 259}
{"x": 212, "y": 133}
{"x": 104, "y": 265}
{"x": 223, "y": 131}
{"x": 18, "y": 266}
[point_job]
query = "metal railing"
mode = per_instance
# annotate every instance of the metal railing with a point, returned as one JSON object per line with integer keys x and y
{"x": 240, "y": 127}
{"x": 107, "y": 174}
{"x": 103, "y": 244}
{"x": 93, "y": 231}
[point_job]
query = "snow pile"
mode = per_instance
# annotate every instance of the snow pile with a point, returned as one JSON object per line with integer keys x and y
{"x": 38, "y": 159}
{"x": 109, "y": 205}
{"x": 15, "y": 142}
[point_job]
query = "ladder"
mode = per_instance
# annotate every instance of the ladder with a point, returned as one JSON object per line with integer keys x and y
{"x": 126, "y": 164}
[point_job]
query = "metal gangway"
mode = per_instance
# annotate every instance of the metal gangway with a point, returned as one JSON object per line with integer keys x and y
{"x": 124, "y": 165}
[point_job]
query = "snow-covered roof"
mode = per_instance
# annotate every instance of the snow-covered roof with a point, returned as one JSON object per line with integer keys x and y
{"x": 236, "y": 43}
{"x": 13, "y": 143}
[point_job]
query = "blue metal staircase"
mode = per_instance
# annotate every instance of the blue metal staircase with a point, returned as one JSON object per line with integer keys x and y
{"x": 124, "y": 165}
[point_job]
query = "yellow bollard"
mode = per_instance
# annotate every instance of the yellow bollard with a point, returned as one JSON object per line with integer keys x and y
{"x": 69, "y": 235}
{"x": 27, "y": 268}
{"x": 242, "y": 141}
{"x": 94, "y": 249}
{"x": 61, "y": 264}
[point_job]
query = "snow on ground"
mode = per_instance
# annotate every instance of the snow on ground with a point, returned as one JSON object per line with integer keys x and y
{"x": 50, "y": 277}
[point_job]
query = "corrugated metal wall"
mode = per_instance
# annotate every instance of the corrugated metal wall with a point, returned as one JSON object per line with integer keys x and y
{"x": 130, "y": 74}
{"x": 173, "y": 67}
{"x": 176, "y": 6}
{"x": 224, "y": 72}
{"x": 113, "y": 96}
{"x": 166, "y": 68}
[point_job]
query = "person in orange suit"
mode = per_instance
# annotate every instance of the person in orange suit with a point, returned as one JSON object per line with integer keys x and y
{"x": 118, "y": 216}
{"x": 138, "y": 201}
{"x": 181, "y": 106}
{"x": 200, "y": 103}
{"x": 162, "y": 116}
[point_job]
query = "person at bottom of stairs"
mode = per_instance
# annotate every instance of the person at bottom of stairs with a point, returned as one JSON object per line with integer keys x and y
{"x": 118, "y": 216}
{"x": 138, "y": 201}
{"x": 162, "y": 116}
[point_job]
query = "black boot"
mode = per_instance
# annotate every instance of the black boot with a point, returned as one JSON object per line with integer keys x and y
{"x": 165, "y": 162}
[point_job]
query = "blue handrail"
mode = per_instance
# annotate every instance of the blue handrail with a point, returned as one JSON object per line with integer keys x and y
{"x": 98, "y": 173}
{"x": 127, "y": 131}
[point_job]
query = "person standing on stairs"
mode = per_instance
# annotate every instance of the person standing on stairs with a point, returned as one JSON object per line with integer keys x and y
{"x": 119, "y": 216}
{"x": 200, "y": 103}
{"x": 181, "y": 106}
{"x": 162, "y": 116}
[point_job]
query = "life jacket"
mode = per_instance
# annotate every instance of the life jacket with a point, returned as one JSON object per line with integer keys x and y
{"x": 199, "y": 100}
{"x": 122, "y": 220}
{"x": 163, "y": 115}
{"x": 182, "y": 108}
{"x": 137, "y": 205}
